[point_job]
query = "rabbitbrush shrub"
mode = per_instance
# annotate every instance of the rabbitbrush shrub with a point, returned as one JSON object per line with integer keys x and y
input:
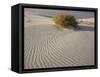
{"x": 65, "y": 20}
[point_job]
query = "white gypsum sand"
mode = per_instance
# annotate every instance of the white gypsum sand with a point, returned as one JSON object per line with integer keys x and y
{"x": 47, "y": 46}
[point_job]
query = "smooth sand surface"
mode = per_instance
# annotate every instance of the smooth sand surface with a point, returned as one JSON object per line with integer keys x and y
{"x": 46, "y": 45}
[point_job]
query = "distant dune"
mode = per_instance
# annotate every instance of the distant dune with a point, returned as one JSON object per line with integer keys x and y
{"x": 47, "y": 46}
{"x": 86, "y": 21}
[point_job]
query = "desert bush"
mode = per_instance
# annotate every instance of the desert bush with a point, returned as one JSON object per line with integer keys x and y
{"x": 65, "y": 20}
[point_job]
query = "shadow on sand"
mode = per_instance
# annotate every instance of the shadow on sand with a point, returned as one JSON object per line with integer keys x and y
{"x": 78, "y": 28}
{"x": 82, "y": 28}
{"x": 85, "y": 28}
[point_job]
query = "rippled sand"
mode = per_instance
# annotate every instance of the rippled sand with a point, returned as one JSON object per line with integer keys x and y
{"x": 46, "y": 45}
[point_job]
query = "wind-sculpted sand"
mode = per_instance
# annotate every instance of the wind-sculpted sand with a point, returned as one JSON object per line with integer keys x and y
{"x": 47, "y": 46}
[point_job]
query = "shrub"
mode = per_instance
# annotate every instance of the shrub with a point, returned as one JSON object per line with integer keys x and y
{"x": 65, "y": 20}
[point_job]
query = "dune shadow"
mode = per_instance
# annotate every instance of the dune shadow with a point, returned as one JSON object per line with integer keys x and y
{"x": 78, "y": 28}
{"x": 85, "y": 28}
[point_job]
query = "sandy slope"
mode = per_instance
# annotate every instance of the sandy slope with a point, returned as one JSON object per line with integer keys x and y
{"x": 48, "y": 46}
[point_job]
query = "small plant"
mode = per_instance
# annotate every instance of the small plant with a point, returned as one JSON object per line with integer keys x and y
{"x": 65, "y": 20}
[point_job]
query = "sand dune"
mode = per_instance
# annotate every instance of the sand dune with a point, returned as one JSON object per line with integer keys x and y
{"x": 86, "y": 21}
{"x": 47, "y": 46}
